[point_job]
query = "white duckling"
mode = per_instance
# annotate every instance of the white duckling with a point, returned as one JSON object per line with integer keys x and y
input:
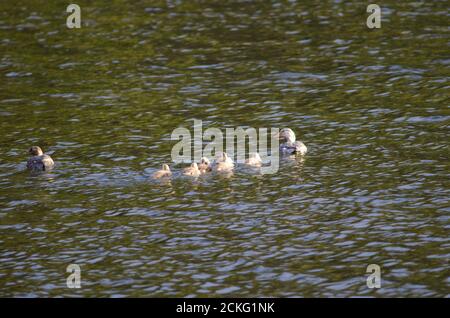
{"x": 204, "y": 166}
{"x": 224, "y": 163}
{"x": 289, "y": 145}
{"x": 192, "y": 171}
{"x": 39, "y": 161}
{"x": 254, "y": 160}
{"x": 163, "y": 173}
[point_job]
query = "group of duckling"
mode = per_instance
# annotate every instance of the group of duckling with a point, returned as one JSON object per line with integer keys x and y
{"x": 289, "y": 145}
{"x": 222, "y": 164}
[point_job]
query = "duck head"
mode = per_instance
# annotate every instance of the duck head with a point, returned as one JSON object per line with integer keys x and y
{"x": 286, "y": 135}
{"x": 205, "y": 161}
{"x": 35, "y": 151}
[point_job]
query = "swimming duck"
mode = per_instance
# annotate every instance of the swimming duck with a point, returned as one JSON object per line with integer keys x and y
{"x": 224, "y": 163}
{"x": 254, "y": 160}
{"x": 192, "y": 170}
{"x": 289, "y": 145}
{"x": 39, "y": 161}
{"x": 205, "y": 165}
{"x": 164, "y": 172}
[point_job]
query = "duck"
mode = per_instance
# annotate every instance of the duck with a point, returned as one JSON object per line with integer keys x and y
{"x": 204, "y": 166}
{"x": 224, "y": 163}
{"x": 38, "y": 160}
{"x": 163, "y": 173}
{"x": 254, "y": 160}
{"x": 289, "y": 143}
{"x": 192, "y": 171}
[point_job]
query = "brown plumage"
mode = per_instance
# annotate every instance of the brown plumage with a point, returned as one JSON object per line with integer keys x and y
{"x": 38, "y": 160}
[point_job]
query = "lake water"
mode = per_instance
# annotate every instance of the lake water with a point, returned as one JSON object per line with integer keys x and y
{"x": 372, "y": 105}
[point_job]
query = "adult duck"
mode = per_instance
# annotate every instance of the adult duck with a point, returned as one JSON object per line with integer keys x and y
{"x": 38, "y": 160}
{"x": 289, "y": 144}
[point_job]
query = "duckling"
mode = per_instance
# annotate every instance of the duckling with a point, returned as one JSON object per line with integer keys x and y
{"x": 205, "y": 165}
{"x": 192, "y": 170}
{"x": 289, "y": 145}
{"x": 39, "y": 161}
{"x": 254, "y": 160}
{"x": 163, "y": 173}
{"x": 224, "y": 163}
{"x": 223, "y": 157}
